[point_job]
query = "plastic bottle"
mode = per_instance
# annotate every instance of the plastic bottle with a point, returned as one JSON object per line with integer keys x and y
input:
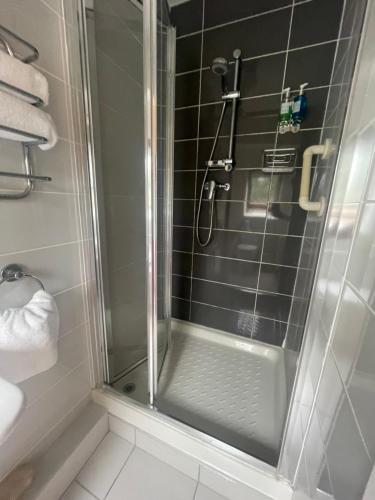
{"x": 285, "y": 112}
{"x": 299, "y": 109}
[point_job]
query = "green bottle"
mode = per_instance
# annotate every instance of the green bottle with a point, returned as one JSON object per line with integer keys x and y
{"x": 286, "y": 111}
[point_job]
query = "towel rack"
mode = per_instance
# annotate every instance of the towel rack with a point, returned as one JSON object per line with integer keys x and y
{"x": 28, "y": 175}
{"x": 14, "y": 272}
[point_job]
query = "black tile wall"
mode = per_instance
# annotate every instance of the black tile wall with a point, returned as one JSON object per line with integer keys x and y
{"x": 243, "y": 281}
{"x": 255, "y": 36}
{"x": 222, "y": 11}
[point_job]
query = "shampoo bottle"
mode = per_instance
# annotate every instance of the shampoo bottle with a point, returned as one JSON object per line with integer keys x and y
{"x": 299, "y": 109}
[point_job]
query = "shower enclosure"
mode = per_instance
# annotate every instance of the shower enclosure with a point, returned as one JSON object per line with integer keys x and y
{"x": 205, "y": 260}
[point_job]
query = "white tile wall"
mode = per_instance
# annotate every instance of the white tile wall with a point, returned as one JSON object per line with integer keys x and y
{"x": 45, "y": 231}
{"x": 338, "y": 450}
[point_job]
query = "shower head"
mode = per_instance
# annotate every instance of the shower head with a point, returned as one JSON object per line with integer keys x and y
{"x": 219, "y": 66}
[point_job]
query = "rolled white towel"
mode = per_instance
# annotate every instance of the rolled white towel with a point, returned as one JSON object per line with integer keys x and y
{"x": 28, "y": 338}
{"x": 18, "y": 119}
{"x": 15, "y": 74}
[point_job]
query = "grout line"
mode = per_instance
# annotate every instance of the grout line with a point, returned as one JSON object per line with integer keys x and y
{"x": 247, "y": 232}
{"x": 247, "y": 313}
{"x": 248, "y": 289}
{"x": 249, "y": 134}
{"x": 122, "y": 468}
{"x": 349, "y": 399}
{"x": 270, "y": 54}
{"x": 258, "y": 96}
{"x": 238, "y": 259}
{"x": 37, "y": 249}
{"x": 76, "y": 480}
{"x": 246, "y": 18}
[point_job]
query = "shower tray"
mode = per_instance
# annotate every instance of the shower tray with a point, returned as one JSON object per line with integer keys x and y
{"x": 229, "y": 387}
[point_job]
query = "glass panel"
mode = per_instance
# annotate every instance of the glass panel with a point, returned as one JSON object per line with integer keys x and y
{"x": 165, "y": 88}
{"x": 115, "y": 53}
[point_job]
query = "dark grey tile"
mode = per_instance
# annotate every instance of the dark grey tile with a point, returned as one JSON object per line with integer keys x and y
{"x": 181, "y": 263}
{"x": 186, "y": 123}
{"x": 269, "y": 331}
{"x": 183, "y": 212}
{"x": 187, "y": 17}
{"x": 184, "y": 185}
{"x": 222, "y": 319}
{"x": 250, "y": 185}
{"x": 187, "y": 89}
{"x": 248, "y": 35}
{"x": 227, "y": 296}
{"x": 285, "y": 187}
{"x": 241, "y": 216}
{"x": 316, "y": 103}
{"x": 312, "y": 65}
{"x": 309, "y": 252}
{"x": 273, "y": 306}
{"x": 185, "y": 153}
{"x": 236, "y": 245}
{"x": 188, "y": 53}
{"x": 180, "y": 309}
{"x": 183, "y": 239}
{"x": 283, "y": 250}
{"x": 304, "y": 282}
{"x": 258, "y": 115}
{"x": 277, "y": 279}
{"x": 316, "y": 21}
{"x": 248, "y": 150}
{"x": 285, "y": 218}
{"x": 294, "y": 337}
{"x": 229, "y": 271}
{"x": 260, "y": 76}
{"x": 298, "y": 311}
{"x": 181, "y": 287}
{"x": 254, "y": 116}
{"x": 222, "y": 11}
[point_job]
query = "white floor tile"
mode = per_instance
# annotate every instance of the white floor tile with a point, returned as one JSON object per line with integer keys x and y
{"x": 103, "y": 467}
{"x": 170, "y": 456}
{"x": 76, "y": 492}
{"x": 204, "y": 493}
{"x": 144, "y": 478}
{"x": 231, "y": 489}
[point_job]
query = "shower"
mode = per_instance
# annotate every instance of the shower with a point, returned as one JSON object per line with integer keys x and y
{"x": 220, "y": 67}
{"x": 205, "y": 258}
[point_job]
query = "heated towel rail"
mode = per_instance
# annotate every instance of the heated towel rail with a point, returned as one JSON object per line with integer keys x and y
{"x": 6, "y": 37}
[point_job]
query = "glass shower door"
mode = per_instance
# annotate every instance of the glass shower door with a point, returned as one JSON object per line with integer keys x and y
{"x": 129, "y": 81}
{"x": 115, "y": 101}
{"x": 159, "y": 43}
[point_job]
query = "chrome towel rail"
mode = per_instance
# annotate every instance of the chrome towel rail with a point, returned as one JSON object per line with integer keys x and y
{"x": 14, "y": 272}
{"x": 4, "y": 33}
{"x": 28, "y": 175}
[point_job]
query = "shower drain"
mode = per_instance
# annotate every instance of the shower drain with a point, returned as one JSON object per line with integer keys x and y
{"x": 129, "y": 388}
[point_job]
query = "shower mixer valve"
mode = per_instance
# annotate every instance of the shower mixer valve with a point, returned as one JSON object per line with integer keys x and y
{"x": 227, "y": 164}
{"x": 211, "y": 187}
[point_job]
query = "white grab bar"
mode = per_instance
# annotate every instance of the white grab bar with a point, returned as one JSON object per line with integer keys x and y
{"x": 304, "y": 195}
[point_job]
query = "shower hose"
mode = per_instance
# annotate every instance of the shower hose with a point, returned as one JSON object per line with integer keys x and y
{"x": 212, "y": 200}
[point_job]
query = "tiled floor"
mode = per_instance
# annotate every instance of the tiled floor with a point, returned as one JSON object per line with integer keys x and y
{"x": 118, "y": 470}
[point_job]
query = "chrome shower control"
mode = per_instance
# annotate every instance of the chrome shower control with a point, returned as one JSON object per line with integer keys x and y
{"x": 225, "y": 186}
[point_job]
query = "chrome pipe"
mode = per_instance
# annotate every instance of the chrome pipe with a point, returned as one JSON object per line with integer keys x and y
{"x": 236, "y": 95}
